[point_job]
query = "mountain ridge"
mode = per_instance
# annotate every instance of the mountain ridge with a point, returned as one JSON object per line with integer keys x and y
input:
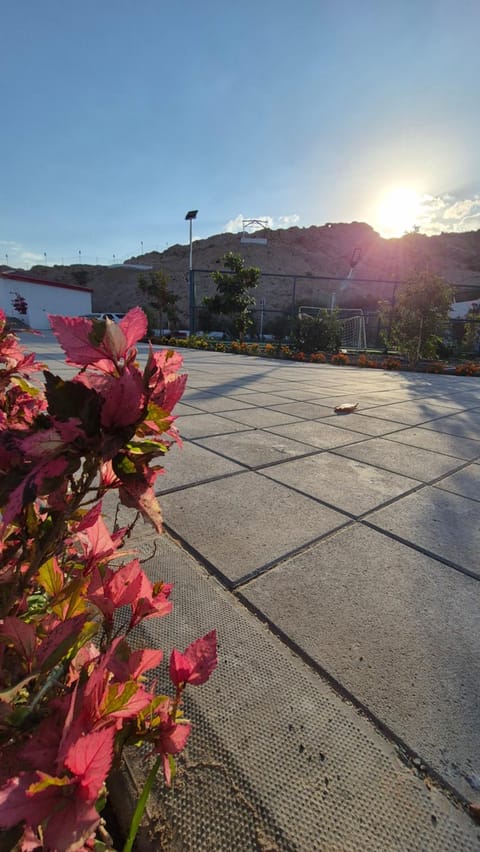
{"x": 303, "y": 253}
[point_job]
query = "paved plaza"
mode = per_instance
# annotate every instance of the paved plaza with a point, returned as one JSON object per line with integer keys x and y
{"x": 338, "y": 557}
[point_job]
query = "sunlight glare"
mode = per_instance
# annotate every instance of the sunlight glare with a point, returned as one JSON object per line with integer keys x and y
{"x": 397, "y": 211}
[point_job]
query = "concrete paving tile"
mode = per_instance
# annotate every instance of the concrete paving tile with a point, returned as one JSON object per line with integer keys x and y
{"x": 200, "y": 425}
{"x": 244, "y": 522}
{"x": 263, "y": 398}
{"x": 182, "y": 408}
{"x": 306, "y": 410}
{"x": 258, "y": 418}
{"x": 316, "y": 434}
{"x": 397, "y": 629}
{"x": 438, "y": 442}
{"x": 445, "y": 524}
{"x": 276, "y": 760}
{"x": 364, "y": 425}
{"x": 189, "y": 464}
{"x": 465, "y": 482}
{"x": 297, "y": 393}
{"x": 364, "y": 401}
{"x": 464, "y": 424}
{"x": 410, "y": 413}
{"x": 419, "y": 464}
{"x": 255, "y": 448}
{"x": 344, "y": 483}
{"x": 217, "y": 403}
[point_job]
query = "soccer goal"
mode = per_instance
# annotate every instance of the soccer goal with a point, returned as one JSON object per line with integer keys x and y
{"x": 352, "y": 321}
{"x": 353, "y": 332}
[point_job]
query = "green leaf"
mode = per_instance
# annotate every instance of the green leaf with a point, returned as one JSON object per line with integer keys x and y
{"x": 145, "y": 447}
{"x": 123, "y": 466}
{"x": 51, "y": 578}
{"x": 141, "y": 805}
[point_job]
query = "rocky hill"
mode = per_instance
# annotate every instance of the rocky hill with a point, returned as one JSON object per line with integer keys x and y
{"x": 299, "y": 253}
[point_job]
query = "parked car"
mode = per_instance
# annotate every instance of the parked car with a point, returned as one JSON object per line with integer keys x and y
{"x": 14, "y": 324}
{"x": 103, "y": 316}
{"x": 214, "y": 335}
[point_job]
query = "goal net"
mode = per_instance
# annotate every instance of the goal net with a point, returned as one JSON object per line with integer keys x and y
{"x": 352, "y": 321}
{"x": 353, "y": 332}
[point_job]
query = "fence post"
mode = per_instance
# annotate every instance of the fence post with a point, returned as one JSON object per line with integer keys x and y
{"x": 192, "y": 321}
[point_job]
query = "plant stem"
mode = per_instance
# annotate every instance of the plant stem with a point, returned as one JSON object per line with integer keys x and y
{"x": 140, "y": 808}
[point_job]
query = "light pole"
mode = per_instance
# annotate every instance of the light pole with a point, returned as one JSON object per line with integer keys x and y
{"x": 191, "y": 215}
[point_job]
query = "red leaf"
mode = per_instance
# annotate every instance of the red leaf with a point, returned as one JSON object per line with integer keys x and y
{"x": 202, "y": 656}
{"x": 60, "y": 635}
{"x": 16, "y": 805}
{"x": 136, "y": 494}
{"x": 123, "y": 585}
{"x": 90, "y": 759}
{"x": 22, "y": 636}
{"x": 135, "y": 664}
{"x": 143, "y": 661}
{"x": 167, "y": 394}
{"x": 167, "y": 361}
{"x": 69, "y": 828}
{"x": 101, "y": 546}
{"x": 134, "y": 326}
{"x": 124, "y": 400}
{"x": 180, "y": 668}
{"x": 174, "y": 739}
{"x": 73, "y": 335}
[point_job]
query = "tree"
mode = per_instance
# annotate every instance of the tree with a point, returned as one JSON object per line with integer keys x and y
{"x": 472, "y": 329}
{"x": 232, "y": 298}
{"x": 155, "y": 288}
{"x": 311, "y": 334}
{"x": 19, "y": 304}
{"x": 415, "y": 320}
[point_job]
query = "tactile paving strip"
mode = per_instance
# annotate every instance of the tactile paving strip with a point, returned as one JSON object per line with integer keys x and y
{"x": 276, "y": 760}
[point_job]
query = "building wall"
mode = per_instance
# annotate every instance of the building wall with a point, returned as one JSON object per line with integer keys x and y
{"x": 43, "y": 299}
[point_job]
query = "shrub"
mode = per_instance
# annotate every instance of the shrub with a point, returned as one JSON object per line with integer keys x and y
{"x": 470, "y": 368}
{"x": 310, "y": 334}
{"x": 418, "y": 316}
{"x": 232, "y": 298}
{"x": 318, "y": 358}
{"x": 340, "y": 359}
{"x": 72, "y": 689}
{"x": 391, "y": 363}
{"x": 436, "y": 367}
{"x": 364, "y": 361}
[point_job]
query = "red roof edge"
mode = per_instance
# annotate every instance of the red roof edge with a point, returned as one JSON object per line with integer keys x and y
{"x": 16, "y": 277}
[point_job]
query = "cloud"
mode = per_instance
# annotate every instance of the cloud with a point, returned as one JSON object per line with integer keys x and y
{"x": 449, "y": 213}
{"x": 234, "y": 226}
{"x": 15, "y": 254}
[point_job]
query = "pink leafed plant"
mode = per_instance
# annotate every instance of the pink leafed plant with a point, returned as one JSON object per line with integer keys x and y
{"x": 72, "y": 689}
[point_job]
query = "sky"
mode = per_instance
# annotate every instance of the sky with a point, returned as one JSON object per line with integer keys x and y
{"x": 119, "y": 116}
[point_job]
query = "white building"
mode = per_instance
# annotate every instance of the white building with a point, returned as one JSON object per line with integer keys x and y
{"x": 42, "y": 298}
{"x": 459, "y": 310}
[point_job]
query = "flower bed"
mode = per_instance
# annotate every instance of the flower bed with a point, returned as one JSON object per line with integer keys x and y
{"x": 287, "y": 353}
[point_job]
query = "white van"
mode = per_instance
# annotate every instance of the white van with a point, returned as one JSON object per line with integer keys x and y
{"x": 113, "y": 317}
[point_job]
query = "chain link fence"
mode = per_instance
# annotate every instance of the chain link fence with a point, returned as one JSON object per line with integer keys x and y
{"x": 279, "y": 298}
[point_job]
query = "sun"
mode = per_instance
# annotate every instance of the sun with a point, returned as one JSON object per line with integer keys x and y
{"x": 397, "y": 211}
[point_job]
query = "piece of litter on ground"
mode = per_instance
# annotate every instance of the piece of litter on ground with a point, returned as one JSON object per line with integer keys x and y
{"x": 346, "y": 407}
